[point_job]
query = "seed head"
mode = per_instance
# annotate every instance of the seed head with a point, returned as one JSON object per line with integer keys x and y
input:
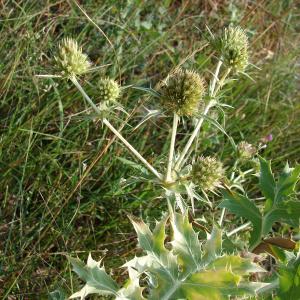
{"x": 246, "y": 150}
{"x": 182, "y": 92}
{"x": 71, "y": 60}
{"x": 109, "y": 89}
{"x": 207, "y": 173}
{"x": 232, "y": 45}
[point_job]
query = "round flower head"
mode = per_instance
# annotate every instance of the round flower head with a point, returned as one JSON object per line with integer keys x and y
{"x": 232, "y": 45}
{"x": 245, "y": 150}
{"x": 109, "y": 89}
{"x": 182, "y": 91}
{"x": 72, "y": 61}
{"x": 207, "y": 173}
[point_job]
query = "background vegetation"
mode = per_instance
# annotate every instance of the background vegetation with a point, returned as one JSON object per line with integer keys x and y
{"x": 62, "y": 187}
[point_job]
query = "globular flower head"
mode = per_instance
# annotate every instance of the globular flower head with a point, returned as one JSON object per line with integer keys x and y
{"x": 246, "y": 150}
{"x": 207, "y": 173}
{"x": 109, "y": 89}
{"x": 181, "y": 92}
{"x": 71, "y": 60}
{"x": 232, "y": 46}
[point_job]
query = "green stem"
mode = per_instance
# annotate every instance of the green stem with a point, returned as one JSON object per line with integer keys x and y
{"x": 236, "y": 230}
{"x": 215, "y": 78}
{"x": 221, "y": 82}
{"x": 116, "y": 132}
{"x": 172, "y": 148}
{"x": 185, "y": 153}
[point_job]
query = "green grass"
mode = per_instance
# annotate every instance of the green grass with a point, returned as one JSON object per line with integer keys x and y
{"x": 61, "y": 186}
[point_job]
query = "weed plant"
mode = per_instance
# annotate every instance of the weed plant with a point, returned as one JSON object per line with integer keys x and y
{"x": 66, "y": 183}
{"x": 186, "y": 267}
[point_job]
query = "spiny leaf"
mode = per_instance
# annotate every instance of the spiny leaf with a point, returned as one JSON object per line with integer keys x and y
{"x": 277, "y": 207}
{"x": 132, "y": 289}
{"x": 159, "y": 263}
{"x": 148, "y": 241}
{"x": 213, "y": 246}
{"x": 244, "y": 207}
{"x": 183, "y": 272}
{"x": 266, "y": 179}
{"x": 97, "y": 280}
{"x": 235, "y": 264}
{"x": 287, "y": 211}
{"x": 185, "y": 242}
{"x": 217, "y": 284}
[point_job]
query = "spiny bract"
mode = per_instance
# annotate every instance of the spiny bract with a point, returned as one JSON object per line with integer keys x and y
{"x": 109, "y": 89}
{"x": 71, "y": 60}
{"x": 182, "y": 92}
{"x": 207, "y": 173}
{"x": 232, "y": 45}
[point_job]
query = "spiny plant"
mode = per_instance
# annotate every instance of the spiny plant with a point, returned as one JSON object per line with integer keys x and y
{"x": 281, "y": 204}
{"x": 186, "y": 267}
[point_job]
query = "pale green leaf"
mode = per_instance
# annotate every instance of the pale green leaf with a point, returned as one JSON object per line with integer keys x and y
{"x": 182, "y": 271}
{"x": 185, "y": 243}
{"x": 159, "y": 263}
{"x": 235, "y": 264}
{"x": 97, "y": 280}
{"x": 213, "y": 246}
{"x": 152, "y": 242}
{"x": 217, "y": 284}
{"x": 132, "y": 289}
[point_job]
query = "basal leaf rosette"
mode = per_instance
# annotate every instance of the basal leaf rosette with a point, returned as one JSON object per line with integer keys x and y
{"x": 182, "y": 92}
{"x": 70, "y": 59}
{"x": 185, "y": 269}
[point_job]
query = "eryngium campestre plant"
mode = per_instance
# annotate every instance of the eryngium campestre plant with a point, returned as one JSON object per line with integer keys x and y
{"x": 181, "y": 92}
{"x": 71, "y": 60}
{"x": 232, "y": 46}
{"x": 245, "y": 150}
{"x": 109, "y": 89}
{"x": 207, "y": 173}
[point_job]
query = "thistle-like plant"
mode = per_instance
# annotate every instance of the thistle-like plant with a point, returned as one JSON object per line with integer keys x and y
{"x": 186, "y": 268}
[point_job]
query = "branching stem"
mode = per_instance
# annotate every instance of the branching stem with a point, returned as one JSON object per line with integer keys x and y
{"x": 185, "y": 153}
{"x": 183, "y": 157}
{"x": 116, "y": 132}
